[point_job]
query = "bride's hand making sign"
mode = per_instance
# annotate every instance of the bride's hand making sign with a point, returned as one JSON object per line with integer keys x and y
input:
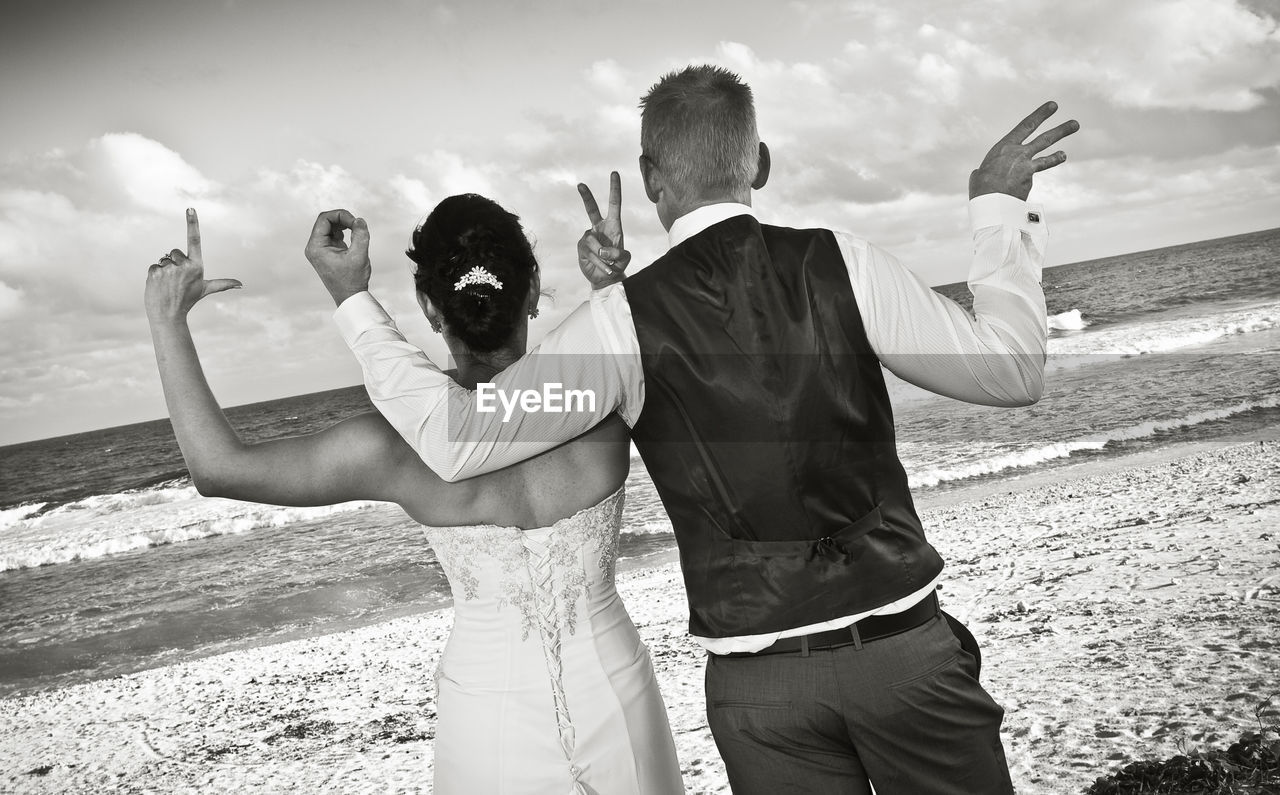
{"x": 176, "y": 282}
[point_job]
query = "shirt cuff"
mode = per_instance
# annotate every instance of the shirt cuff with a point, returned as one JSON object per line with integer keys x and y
{"x": 1001, "y": 209}
{"x": 358, "y": 314}
{"x": 611, "y": 315}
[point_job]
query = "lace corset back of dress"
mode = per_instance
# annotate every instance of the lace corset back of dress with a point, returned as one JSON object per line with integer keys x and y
{"x": 546, "y": 573}
{"x": 544, "y": 579}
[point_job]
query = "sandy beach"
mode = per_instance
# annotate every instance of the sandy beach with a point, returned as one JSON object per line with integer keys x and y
{"x": 1127, "y": 608}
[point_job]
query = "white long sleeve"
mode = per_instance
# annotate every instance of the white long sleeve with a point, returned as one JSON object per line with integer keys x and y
{"x": 461, "y": 433}
{"x": 995, "y": 356}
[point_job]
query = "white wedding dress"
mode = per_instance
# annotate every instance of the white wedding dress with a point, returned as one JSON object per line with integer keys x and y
{"x": 544, "y": 685}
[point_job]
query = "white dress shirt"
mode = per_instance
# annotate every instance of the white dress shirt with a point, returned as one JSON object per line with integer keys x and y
{"x": 994, "y": 356}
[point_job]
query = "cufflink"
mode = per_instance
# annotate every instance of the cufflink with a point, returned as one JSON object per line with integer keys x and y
{"x": 1033, "y": 218}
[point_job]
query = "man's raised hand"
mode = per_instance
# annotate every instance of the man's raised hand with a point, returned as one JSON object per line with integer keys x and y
{"x": 1010, "y": 165}
{"x": 176, "y": 282}
{"x": 601, "y": 254}
{"x": 344, "y": 269}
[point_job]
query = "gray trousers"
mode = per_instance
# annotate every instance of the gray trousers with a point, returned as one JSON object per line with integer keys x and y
{"x": 905, "y": 713}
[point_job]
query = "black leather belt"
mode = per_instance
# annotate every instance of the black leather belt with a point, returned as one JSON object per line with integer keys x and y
{"x": 868, "y": 629}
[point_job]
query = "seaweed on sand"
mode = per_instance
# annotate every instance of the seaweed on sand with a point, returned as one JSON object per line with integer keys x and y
{"x": 1250, "y": 766}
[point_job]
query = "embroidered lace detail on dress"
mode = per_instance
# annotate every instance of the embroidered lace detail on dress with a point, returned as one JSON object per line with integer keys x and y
{"x": 543, "y": 575}
{"x": 572, "y": 541}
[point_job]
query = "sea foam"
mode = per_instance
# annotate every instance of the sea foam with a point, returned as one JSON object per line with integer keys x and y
{"x": 1171, "y": 334}
{"x": 1020, "y": 459}
{"x": 11, "y": 516}
{"x": 109, "y": 524}
{"x": 1071, "y": 320}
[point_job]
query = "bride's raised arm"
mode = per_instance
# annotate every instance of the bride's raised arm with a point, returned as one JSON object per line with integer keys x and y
{"x": 359, "y": 458}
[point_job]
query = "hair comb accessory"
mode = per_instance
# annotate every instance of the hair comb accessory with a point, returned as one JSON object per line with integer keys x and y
{"x": 477, "y": 275}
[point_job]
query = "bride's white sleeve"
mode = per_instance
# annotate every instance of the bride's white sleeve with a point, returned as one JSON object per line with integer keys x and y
{"x": 583, "y": 371}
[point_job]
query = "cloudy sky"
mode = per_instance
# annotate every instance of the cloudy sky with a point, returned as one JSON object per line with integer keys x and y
{"x": 117, "y": 115}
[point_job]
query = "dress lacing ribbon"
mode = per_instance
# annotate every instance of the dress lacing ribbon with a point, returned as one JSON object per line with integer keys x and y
{"x": 541, "y": 566}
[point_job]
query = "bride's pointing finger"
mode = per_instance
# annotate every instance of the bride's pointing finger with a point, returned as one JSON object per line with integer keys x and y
{"x": 193, "y": 236}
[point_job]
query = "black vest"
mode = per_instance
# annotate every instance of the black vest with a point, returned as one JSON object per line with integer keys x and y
{"x": 768, "y": 432}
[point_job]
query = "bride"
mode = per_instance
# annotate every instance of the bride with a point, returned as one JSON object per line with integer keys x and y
{"x": 544, "y": 684}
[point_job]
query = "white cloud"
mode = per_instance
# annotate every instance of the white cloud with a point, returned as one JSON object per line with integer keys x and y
{"x": 77, "y": 230}
{"x": 314, "y": 185}
{"x": 451, "y": 174}
{"x": 741, "y": 58}
{"x": 610, "y": 77}
{"x": 23, "y": 214}
{"x": 1202, "y": 54}
{"x": 155, "y": 177}
{"x": 938, "y": 79}
{"x": 10, "y": 301}
{"x": 1210, "y": 55}
{"x": 983, "y": 62}
{"x": 411, "y": 192}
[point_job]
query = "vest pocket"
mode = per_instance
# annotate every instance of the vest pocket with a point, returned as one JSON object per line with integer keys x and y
{"x": 780, "y": 584}
{"x": 836, "y": 547}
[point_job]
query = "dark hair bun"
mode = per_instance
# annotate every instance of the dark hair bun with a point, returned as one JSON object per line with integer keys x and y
{"x": 476, "y": 265}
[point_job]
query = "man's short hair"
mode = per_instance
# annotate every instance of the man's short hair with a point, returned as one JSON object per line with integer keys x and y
{"x": 698, "y": 126}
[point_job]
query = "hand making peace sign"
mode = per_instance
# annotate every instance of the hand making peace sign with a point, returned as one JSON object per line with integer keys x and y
{"x": 601, "y": 254}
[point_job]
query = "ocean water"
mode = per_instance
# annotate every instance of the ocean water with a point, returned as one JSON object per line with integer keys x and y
{"x": 111, "y": 562}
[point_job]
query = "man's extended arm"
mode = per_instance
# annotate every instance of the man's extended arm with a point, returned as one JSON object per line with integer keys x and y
{"x": 445, "y": 423}
{"x": 996, "y": 355}
{"x": 449, "y": 426}
{"x": 993, "y": 357}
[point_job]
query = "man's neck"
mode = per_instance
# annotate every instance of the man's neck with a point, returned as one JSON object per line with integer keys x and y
{"x": 744, "y": 199}
{"x": 702, "y": 217}
{"x": 680, "y": 209}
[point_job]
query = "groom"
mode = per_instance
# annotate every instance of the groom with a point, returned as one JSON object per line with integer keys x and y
{"x": 747, "y": 361}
